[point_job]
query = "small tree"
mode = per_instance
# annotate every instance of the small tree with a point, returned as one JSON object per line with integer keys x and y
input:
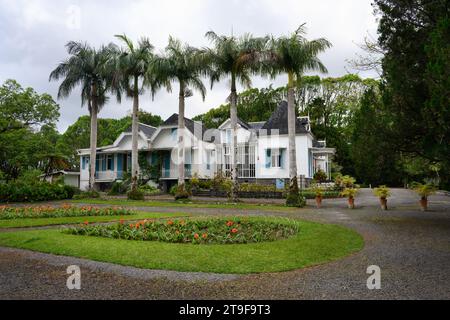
{"x": 350, "y": 194}
{"x": 424, "y": 190}
{"x": 383, "y": 193}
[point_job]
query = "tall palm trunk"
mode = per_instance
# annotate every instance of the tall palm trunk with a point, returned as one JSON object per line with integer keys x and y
{"x": 234, "y": 147}
{"x": 181, "y": 126}
{"x": 135, "y": 132}
{"x": 93, "y": 113}
{"x": 293, "y": 184}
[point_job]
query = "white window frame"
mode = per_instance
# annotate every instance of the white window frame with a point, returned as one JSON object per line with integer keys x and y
{"x": 275, "y": 155}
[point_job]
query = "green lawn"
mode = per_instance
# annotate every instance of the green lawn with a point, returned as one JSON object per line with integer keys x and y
{"x": 176, "y": 204}
{"x": 315, "y": 244}
{"x": 38, "y": 222}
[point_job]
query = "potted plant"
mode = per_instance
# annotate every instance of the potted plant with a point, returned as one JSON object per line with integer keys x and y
{"x": 424, "y": 190}
{"x": 383, "y": 193}
{"x": 350, "y": 194}
{"x": 318, "y": 191}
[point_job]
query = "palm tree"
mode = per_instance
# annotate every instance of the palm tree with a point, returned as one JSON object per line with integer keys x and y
{"x": 294, "y": 55}
{"x": 86, "y": 68}
{"x": 237, "y": 58}
{"x": 186, "y": 65}
{"x": 131, "y": 66}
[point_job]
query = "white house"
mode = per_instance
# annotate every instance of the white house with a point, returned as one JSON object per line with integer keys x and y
{"x": 262, "y": 151}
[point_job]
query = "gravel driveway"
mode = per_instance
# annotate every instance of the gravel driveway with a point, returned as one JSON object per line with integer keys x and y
{"x": 411, "y": 247}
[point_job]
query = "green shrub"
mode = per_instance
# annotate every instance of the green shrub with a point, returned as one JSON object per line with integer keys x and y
{"x": 295, "y": 200}
{"x": 149, "y": 190}
{"x": 320, "y": 176}
{"x": 87, "y": 195}
{"x": 181, "y": 192}
{"x": 135, "y": 195}
{"x": 118, "y": 188}
{"x": 382, "y": 192}
{"x": 254, "y": 187}
{"x": 424, "y": 189}
{"x": 20, "y": 191}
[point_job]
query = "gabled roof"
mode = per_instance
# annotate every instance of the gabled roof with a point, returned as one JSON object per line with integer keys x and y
{"x": 256, "y": 125}
{"x": 145, "y": 129}
{"x": 279, "y": 121}
{"x": 190, "y": 124}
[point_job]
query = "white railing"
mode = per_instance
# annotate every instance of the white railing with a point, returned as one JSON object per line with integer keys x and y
{"x": 106, "y": 175}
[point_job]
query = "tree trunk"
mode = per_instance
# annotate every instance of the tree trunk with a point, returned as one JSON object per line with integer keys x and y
{"x": 181, "y": 169}
{"x": 94, "y": 112}
{"x": 234, "y": 146}
{"x": 135, "y": 137}
{"x": 293, "y": 186}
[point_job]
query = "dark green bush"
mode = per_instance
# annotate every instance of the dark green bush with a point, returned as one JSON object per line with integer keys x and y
{"x": 295, "y": 200}
{"x": 19, "y": 191}
{"x": 320, "y": 176}
{"x": 117, "y": 188}
{"x": 181, "y": 193}
{"x": 135, "y": 195}
{"x": 87, "y": 195}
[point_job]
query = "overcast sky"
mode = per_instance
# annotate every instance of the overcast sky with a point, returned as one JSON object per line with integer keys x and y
{"x": 33, "y": 34}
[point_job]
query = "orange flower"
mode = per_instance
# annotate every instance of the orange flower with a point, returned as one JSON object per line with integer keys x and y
{"x": 177, "y": 232}
{"x": 230, "y": 223}
{"x": 205, "y": 235}
{"x": 121, "y": 221}
{"x": 196, "y": 236}
{"x": 170, "y": 222}
{"x": 86, "y": 223}
{"x": 234, "y": 230}
{"x": 131, "y": 225}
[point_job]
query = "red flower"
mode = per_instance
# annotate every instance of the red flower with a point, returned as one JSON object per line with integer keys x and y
{"x": 170, "y": 222}
{"x": 196, "y": 236}
{"x": 234, "y": 230}
{"x": 205, "y": 235}
{"x": 121, "y": 221}
{"x": 230, "y": 223}
{"x": 86, "y": 223}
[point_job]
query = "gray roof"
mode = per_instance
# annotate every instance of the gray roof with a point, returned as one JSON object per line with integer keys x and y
{"x": 279, "y": 121}
{"x": 145, "y": 129}
{"x": 256, "y": 125}
{"x": 190, "y": 124}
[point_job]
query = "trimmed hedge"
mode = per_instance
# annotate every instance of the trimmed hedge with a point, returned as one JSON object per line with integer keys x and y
{"x": 31, "y": 192}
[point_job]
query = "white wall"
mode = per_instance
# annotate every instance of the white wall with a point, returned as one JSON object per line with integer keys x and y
{"x": 303, "y": 143}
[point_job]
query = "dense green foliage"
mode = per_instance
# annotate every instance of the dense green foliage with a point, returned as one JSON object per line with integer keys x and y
{"x": 27, "y": 129}
{"x": 415, "y": 36}
{"x": 20, "y": 191}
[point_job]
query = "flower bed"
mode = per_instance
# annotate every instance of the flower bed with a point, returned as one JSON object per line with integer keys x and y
{"x": 197, "y": 231}
{"x": 8, "y": 213}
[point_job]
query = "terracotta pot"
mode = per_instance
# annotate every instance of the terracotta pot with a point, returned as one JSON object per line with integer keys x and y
{"x": 383, "y": 202}
{"x": 319, "y": 201}
{"x": 424, "y": 204}
{"x": 351, "y": 203}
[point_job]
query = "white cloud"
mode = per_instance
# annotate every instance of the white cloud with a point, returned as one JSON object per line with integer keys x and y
{"x": 33, "y": 34}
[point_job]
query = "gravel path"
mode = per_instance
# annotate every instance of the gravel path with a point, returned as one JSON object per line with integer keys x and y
{"x": 411, "y": 247}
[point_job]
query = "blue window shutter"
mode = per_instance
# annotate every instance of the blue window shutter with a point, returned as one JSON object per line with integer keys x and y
{"x": 112, "y": 165}
{"x": 83, "y": 163}
{"x": 282, "y": 158}
{"x": 119, "y": 162}
{"x": 154, "y": 159}
{"x": 268, "y": 158}
{"x": 96, "y": 164}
